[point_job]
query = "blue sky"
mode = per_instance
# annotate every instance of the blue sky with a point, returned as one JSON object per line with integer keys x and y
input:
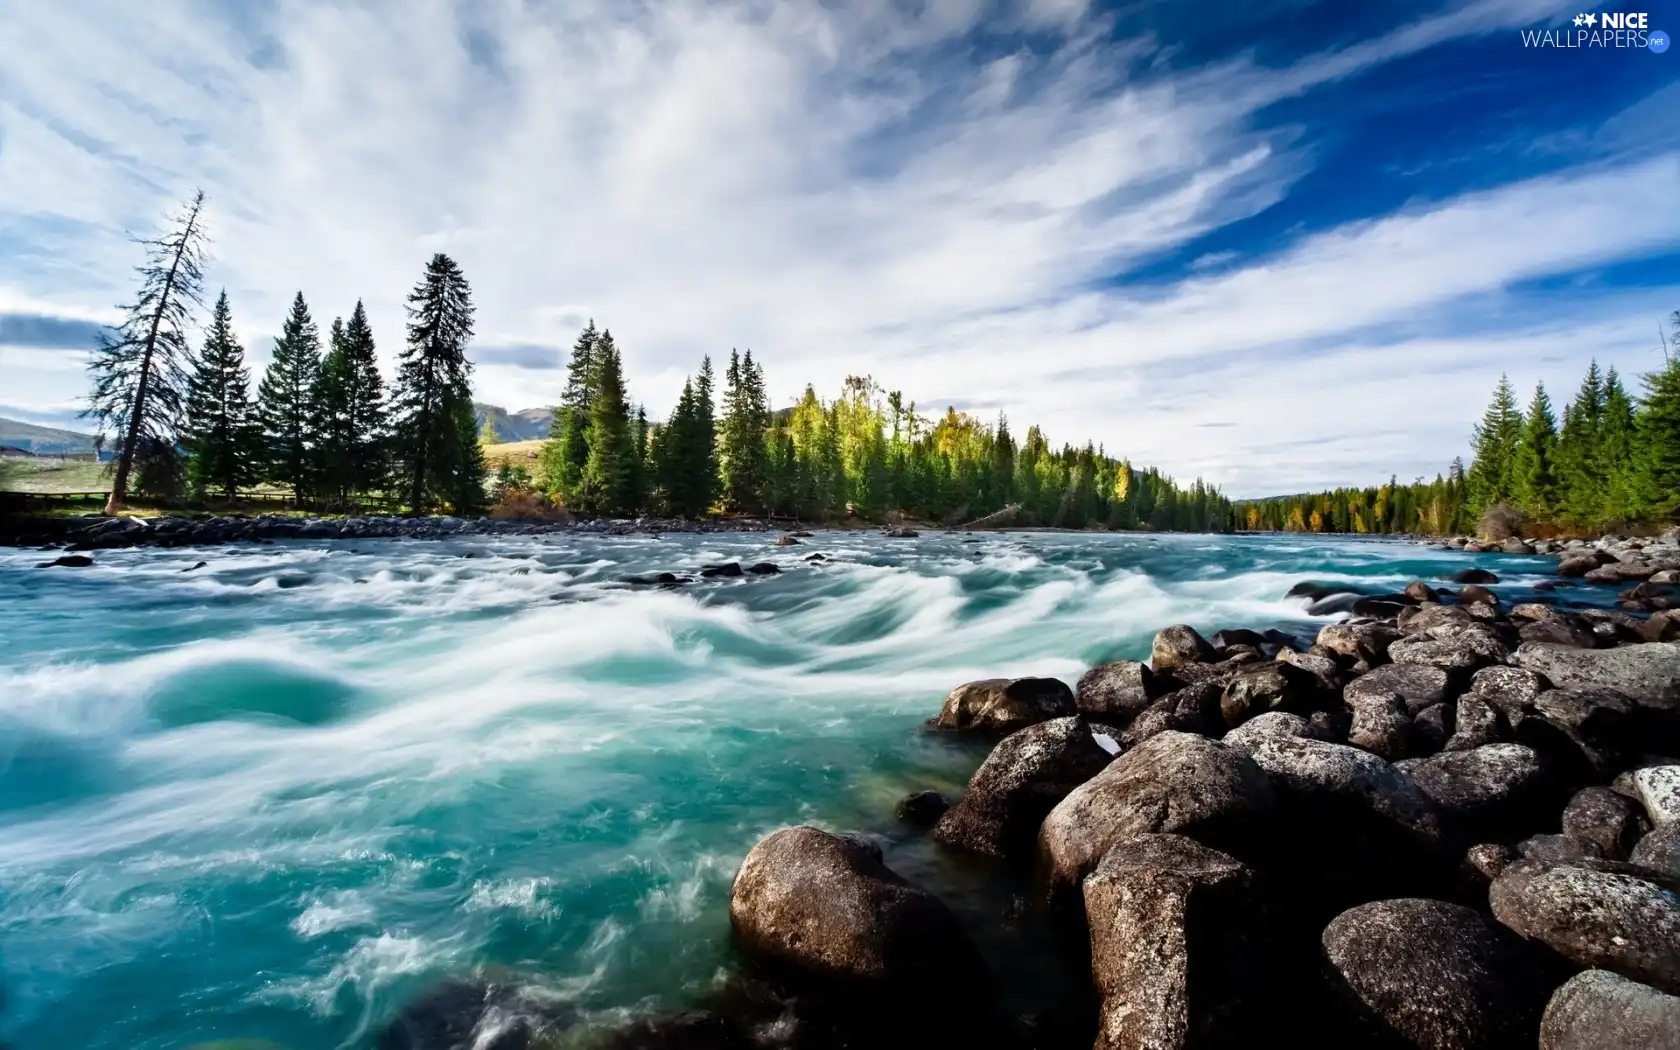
{"x": 1277, "y": 245}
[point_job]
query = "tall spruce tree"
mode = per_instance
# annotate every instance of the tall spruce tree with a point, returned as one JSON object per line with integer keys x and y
{"x": 1617, "y": 445}
{"x": 352, "y": 435}
{"x": 286, "y": 400}
{"x": 675, "y": 458}
{"x": 1580, "y": 470}
{"x": 639, "y": 485}
{"x": 707, "y": 482}
{"x": 138, "y": 369}
{"x": 566, "y": 454}
{"x": 741, "y": 451}
{"x": 1657, "y": 469}
{"x": 1494, "y": 445}
{"x": 609, "y": 476}
{"x": 439, "y": 458}
{"x": 1534, "y": 479}
{"x": 222, "y": 432}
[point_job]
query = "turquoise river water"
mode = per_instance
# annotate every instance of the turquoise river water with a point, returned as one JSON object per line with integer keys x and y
{"x": 277, "y": 796}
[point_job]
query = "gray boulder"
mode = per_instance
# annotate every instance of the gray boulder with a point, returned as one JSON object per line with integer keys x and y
{"x": 1595, "y": 918}
{"x": 1611, "y": 823}
{"x": 1117, "y": 691}
{"x": 1367, "y": 641}
{"x": 1173, "y": 782}
{"x": 1178, "y": 645}
{"x": 1461, "y": 653}
{"x": 1418, "y": 685}
{"x": 1647, "y": 673}
{"x": 1559, "y": 630}
{"x": 1171, "y": 938}
{"x": 1192, "y": 709}
{"x": 1379, "y": 725}
{"x": 1489, "y": 785}
{"x": 1475, "y": 723}
{"x": 1026, "y": 774}
{"x": 1263, "y": 687}
{"x": 1003, "y": 705}
{"x": 825, "y": 908}
{"x": 1599, "y": 1010}
{"x": 1659, "y": 851}
{"x": 1658, "y": 790}
{"x": 1424, "y": 973}
{"x": 1272, "y": 724}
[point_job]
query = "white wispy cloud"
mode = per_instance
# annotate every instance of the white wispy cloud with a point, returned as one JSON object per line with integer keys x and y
{"x": 843, "y": 188}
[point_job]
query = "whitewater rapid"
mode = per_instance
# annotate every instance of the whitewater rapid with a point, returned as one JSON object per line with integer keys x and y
{"x": 277, "y": 795}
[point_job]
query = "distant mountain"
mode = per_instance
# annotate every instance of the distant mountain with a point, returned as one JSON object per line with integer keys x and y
{"x": 529, "y": 424}
{"x": 43, "y": 440}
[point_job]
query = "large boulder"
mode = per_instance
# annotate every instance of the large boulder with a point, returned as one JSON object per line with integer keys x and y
{"x": 1611, "y": 823}
{"x": 1460, "y": 653}
{"x": 1178, "y": 645}
{"x": 1379, "y": 725}
{"x": 1115, "y": 692}
{"x": 1003, "y": 705}
{"x": 1023, "y": 778}
{"x": 1172, "y": 943}
{"x": 1263, "y": 687}
{"x": 1272, "y": 724}
{"x": 1659, "y": 851}
{"x": 1418, "y": 685}
{"x": 1474, "y": 723}
{"x": 1367, "y": 641}
{"x": 1595, "y": 918}
{"x": 1647, "y": 673}
{"x": 1192, "y": 709}
{"x": 1587, "y": 730}
{"x": 825, "y": 910}
{"x": 1495, "y": 787}
{"x": 1173, "y": 782}
{"x": 1599, "y": 1010}
{"x": 1658, "y": 790}
{"x": 1423, "y": 973}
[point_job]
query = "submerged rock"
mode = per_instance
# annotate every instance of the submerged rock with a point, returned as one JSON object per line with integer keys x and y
{"x": 922, "y": 809}
{"x": 1598, "y": 1010}
{"x": 1019, "y": 783}
{"x": 477, "y": 1014}
{"x": 1004, "y": 705}
{"x": 1437, "y": 975}
{"x": 1172, "y": 943}
{"x": 67, "y": 561}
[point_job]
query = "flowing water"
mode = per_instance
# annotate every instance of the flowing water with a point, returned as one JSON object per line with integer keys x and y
{"x": 276, "y": 796}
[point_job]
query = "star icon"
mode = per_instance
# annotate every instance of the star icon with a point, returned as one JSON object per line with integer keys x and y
{"x": 1592, "y": 20}
{"x": 1580, "y": 20}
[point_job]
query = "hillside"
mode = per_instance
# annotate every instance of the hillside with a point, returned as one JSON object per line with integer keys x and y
{"x": 528, "y": 424}
{"x": 43, "y": 440}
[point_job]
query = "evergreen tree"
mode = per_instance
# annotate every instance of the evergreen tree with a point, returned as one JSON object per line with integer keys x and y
{"x": 1657, "y": 471}
{"x": 637, "y": 498}
{"x": 222, "y": 431}
{"x": 1580, "y": 471}
{"x": 1618, "y": 442}
{"x": 1534, "y": 481}
{"x": 678, "y": 459}
{"x": 741, "y": 450}
{"x": 609, "y": 476}
{"x": 1494, "y": 445}
{"x": 286, "y": 400}
{"x": 566, "y": 454}
{"x": 351, "y": 427}
{"x": 1003, "y": 462}
{"x": 138, "y": 369}
{"x": 433, "y": 394}
{"x": 707, "y": 481}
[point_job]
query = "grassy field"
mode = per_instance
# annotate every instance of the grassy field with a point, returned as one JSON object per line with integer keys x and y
{"x": 53, "y": 475}
{"x": 519, "y": 453}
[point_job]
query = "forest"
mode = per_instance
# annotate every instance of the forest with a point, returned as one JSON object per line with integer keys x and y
{"x": 325, "y": 426}
{"x": 1611, "y": 463}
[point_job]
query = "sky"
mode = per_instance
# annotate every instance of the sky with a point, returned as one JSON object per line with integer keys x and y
{"x": 1280, "y": 246}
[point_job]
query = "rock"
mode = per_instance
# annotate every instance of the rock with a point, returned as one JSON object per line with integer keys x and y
{"x": 1488, "y": 860}
{"x": 1463, "y": 653}
{"x": 1559, "y": 630}
{"x": 1511, "y": 691}
{"x": 1595, "y": 918}
{"x": 1003, "y": 705}
{"x": 819, "y": 556}
{"x": 1359, "y": 641}
{"x": 1647, "y": 673}
{"x": 1325, "y": 783}
{"x": 900, "y": 533}
{"x": 483, "y": 1015}
{"x": 1419, "y": 591}
{"x": 1118, "y": 691}
{"x": 693, "y": 1030}
{"x": 1419, "y": 686}
{"x": 1193, "y": 709}
{"x": 922, "y": 809}
{"x": 1018, "y": 785}
{"x": 1495, "y": 785}
{"x": 1475, "y": 723}
{"x": 1429, "y": 731}
{"x": 1586, "y": 726}
{"x": 1658, "y": 790}
{"x": 1238, "y": 636}
{"x": 1173, "y": 782}
{"x": 1668, "y": 576}
{"x": 1321, "y": 667}
{"x": 1577, "y": 565}
{"x": 1610, "y": 823}
{"x": 1264, "y": 687}
{"x": 1552, "y": 850}
{"x": 1421, "y": 619}
{"x": 1271, "y": 724}
{"x": 825, "y": 910}
{"x": 1474, "y": 576}
{"x": 1437, "y": 975}
{"x": 787, "y": 541}
{"x": 1659, "y": 850}
{"x": 1172, "y": 943}
{"x": 195, "y": 568}
{"x": 68, "y": 561}
{"x": 1597, "y": 1010}
{"x": 1662, "y": 627}
{"x": 1532, "y": 611}
{"x": 732, "y": 568}
{"x": 764, "y": 568}
{"x": 1380, "y": 725}
{"x": 1476, "y": 594}
{"x": 1179, "y": 645}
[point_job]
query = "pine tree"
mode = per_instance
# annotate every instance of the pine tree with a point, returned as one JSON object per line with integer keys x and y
{"x": 741, "y": 453}
{"x": 609, "y": 475}
{"x": 138, "y": 369}
{"x": 351, "y": 425}
{"x": 675, "y": 458}
{"x": 1534, "y": 481}
{"x": 705, "y": 446}
{"x": 566, "y": 454}
{"x": 1657, "y": 471}
{"x": 1580, "y": 470}
{"x": 1618, "y": 442}
{"x": 286, "y": 400}
{"x": 1494, "y": 444}
{"x": 637, "y": 499}
{"x": 433, "y": 393}
{"x": 222, "y": 431}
